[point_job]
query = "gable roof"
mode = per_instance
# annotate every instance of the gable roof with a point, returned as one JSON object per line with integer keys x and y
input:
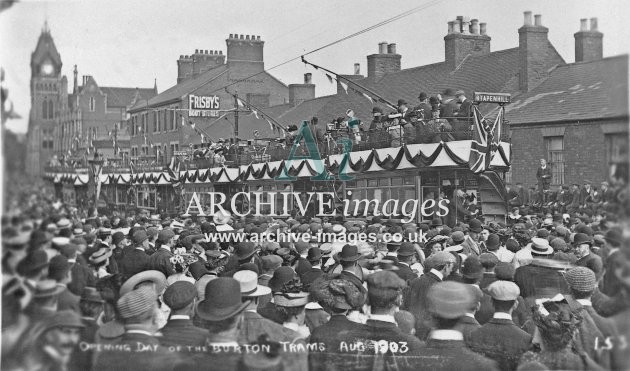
{"x": 177, "y": 91}
{"x": 577, "y": 91}
{"x": 124, "y": 97}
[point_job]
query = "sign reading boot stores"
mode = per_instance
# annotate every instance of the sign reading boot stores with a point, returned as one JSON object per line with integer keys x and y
{"x": 203, "y": 106}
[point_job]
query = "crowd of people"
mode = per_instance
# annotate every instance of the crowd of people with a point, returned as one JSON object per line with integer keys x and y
{"x": 547, "y": 290}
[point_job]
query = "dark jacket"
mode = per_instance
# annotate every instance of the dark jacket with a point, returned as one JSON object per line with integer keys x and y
{"x": 67, "y": 300}
{"x": 160, "y": 261}
{"x": 406, "y": 351}
{"x": 330, "y": 335}
{"x": 502, "y": 341}
{"x": 82, "y": 276}
{"x": 416, "y": 302}
{"x": 451, "y": 355}
{"x": 544, "y": 177}
{"x": 182, "y": 332}
{"x": 467, "y": 325}
{"x": 537, "y": 280}
{"x": 127, "y": 354}
{"x": 311, "y": 275}
{"x": 135, "y": 261}
{"x": 405, "y": 272}
{"x": 254, "y": 325}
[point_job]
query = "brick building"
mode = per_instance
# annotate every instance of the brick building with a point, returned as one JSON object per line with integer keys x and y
{"x": 161, "y": 124}
{"x": 64, "y": 125}
{"x": 576, "y": 118}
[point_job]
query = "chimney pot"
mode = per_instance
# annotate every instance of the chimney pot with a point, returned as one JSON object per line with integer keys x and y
{"x": 528, "y": 18}
{"x": 465, "y": 26}
{"x": 307, "y": 78}
{"x": 231, "y": 36}
{"x": 474, "y": 27}
{"x": 482, "y": 28}
{"x": 538, "y": 20}
{"x": 459, "y": 18}
{"x": 583, "y": 24}
{"x": 391, "y": 48}
{"x": 450, "y": 27}
{"x": 181, "y": 57}
{"x": 457, "y": 26}
{"x": 382, "y": 47}
{"x": 220, "y": 52}
{"x": 357, "y": 69}
{"x": 593, "y": 24}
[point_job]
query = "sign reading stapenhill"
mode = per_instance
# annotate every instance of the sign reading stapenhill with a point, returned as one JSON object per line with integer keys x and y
{"x": 203, "y": 105}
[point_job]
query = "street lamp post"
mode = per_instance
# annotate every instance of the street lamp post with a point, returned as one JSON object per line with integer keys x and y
{"x": 96, "y": 167}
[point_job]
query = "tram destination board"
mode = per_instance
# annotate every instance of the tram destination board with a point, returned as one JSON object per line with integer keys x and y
{"x": 481, "y": 97}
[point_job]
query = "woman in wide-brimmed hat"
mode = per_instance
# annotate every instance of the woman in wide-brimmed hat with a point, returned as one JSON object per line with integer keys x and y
{"x": 291, "y": 305}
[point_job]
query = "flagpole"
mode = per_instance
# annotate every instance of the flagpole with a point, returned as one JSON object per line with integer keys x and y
{"x": 264, "y": 114}
{"x": 380, "y": 98}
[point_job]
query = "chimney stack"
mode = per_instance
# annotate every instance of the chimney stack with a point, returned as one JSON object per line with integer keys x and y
{"x": 535, "y": 53}
{"x": 298, "y": 93}
{"x": 386, "y": 61}
{"x": 246, "y": 52}
{"x": 467, "y": 38}
{"x": 588, "y": 43}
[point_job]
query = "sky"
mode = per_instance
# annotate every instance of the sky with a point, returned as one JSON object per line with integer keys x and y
{"x": 129, "y": 43}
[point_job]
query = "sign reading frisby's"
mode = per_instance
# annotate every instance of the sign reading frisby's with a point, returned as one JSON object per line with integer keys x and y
{"x": 203, "y": 105}
{"x": 482, "y": 97}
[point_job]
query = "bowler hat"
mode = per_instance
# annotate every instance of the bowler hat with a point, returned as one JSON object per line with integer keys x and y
{"x": 613, "y": 236}
{"x": 117, "y": 237}
{"x": 222, "y": 300}
{"x": 422, "y": 96}
{"x": 458, "y": 237}
{"x": 314, "y": 254}
{"x": 406, "y": 249}
{"x": 401, "y": 102}
{"x": 179, "y": 294}
{"x": 581, "y": 238}
{"x": 244, "y": 250}
{"x": 436, "y": 222}
{"x": 475, "y": 226}
{"x": 139, "y": 236}
{"x": 33, "y": 262}
{"x": 197, "y": 269}
{"x": 349, "y": 253}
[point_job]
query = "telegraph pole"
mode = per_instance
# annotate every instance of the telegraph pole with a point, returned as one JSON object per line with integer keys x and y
{"x": 236, "y": 109}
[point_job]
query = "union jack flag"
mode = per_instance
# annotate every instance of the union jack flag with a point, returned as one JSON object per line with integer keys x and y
{"x": 485, "y": 142}
{"x": 173, "y": 172}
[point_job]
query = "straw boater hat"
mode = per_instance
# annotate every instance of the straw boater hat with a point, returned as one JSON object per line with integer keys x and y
{"x": 249, "y": 284}
{"x": 100, "y": 255}
{"x": 47, "y": 288}
{"x": 156, "y": 277}
{"x": 541, "y": 246}
{"x": 221, "y": 217}
{"x": 291, "y": 299}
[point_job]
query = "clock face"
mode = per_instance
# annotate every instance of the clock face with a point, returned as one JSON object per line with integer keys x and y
{"x": 47, "y": 69}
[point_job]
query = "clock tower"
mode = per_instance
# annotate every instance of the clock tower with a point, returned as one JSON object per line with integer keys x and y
{"x": 48, "y": 100}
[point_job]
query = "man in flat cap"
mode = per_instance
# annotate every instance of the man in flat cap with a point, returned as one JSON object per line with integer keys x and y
{"x": 160, "y": 260}
{"x": 138, "y": 348}
{"x": 179, "y": 330}
{"x": 416, "y": 301}
{"x": 384, "y": 298}
{"x": 445, "y": 348}
{"x": 500, "y": 339}
{"x": 594, "y": 330}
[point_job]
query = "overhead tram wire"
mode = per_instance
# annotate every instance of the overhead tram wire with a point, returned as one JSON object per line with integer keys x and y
{"x": 370, "y": 28}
